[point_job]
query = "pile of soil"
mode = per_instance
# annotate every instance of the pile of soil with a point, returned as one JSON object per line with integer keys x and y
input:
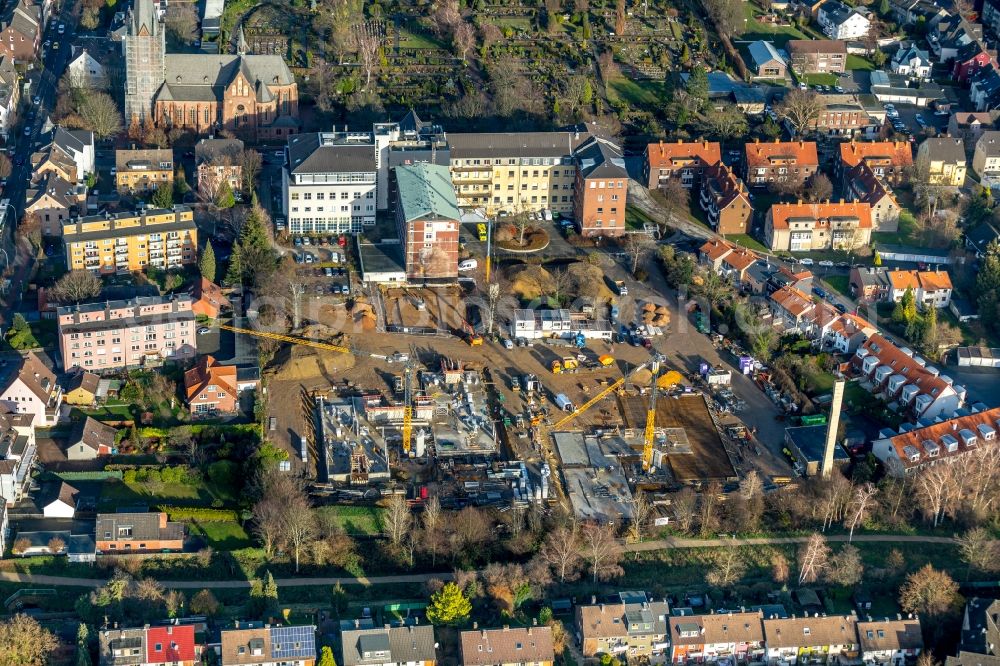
{"x": 508, "y": 237}
{"x": 588, "y": 281}
{"x": 300, "y": 362}
{"x": 530, "y": 282}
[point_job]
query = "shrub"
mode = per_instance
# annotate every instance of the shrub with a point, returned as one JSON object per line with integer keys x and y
{"x": 178, "y": 513}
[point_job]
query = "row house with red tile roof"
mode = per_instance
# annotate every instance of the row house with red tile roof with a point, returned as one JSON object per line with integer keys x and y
{"x": 212, "y": 388}
{"x": 725, "y": 200}
{"x": 685, "y": 160}
{"x": 800, "y": 227}
{"x": 930, "y": 288}
{"x": 889, "y": 160}
{"x": 150, "y": 646}
{"x": 796, "y": 312}
{"x": 947, "y": 440}
{"x": 899, "y": 376}
{"x": 779, "y": 161}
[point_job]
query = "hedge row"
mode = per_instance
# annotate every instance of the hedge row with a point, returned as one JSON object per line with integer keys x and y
{"x": 90, "y": 476}
{"x": 179, "y": 513}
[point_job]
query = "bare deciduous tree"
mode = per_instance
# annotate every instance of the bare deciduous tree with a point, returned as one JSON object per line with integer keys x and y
{"x": 934, "y": 486}
{"x": 602, "y": 551}
{"x": 928, "y": 591}
{"x": 727, "y": 569}
{"x": 463, "y": 39}
{"x": 76, "y": 286}
{"x": 641, "y": 511}
{"x": 685, "y": 505}
{"x": 250, "y": 163}
{"x": 637, "y": 246}
{"x": 397, "y": 520}
{"x": 858, "y": 508}
{"x": 100, "y": 113}
{"x": 368, "y": 42}
{"x": 299, "y": 523}
{"x": 814, "y": 556}
{"x": 801, "y": 108}
{"x": 845, "y": 567}
{"x": 561, "y": 551}
{"x": 980, "y": 550}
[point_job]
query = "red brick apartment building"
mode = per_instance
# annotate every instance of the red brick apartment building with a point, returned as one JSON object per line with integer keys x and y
{"x": 601, "y": 188}
{"x": 779, "y": 161}
{"x": 428, "y": 221}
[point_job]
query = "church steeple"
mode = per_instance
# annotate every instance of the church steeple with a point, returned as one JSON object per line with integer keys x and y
{"x": 241, "y": 42}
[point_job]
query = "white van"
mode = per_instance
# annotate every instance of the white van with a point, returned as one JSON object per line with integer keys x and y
{"x": 468, "y": 265}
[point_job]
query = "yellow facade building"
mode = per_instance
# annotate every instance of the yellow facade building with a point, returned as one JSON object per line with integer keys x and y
{"x": 515, "y": 172}
{"x": 127, "y": 242}
{"x": 143, "y": 171}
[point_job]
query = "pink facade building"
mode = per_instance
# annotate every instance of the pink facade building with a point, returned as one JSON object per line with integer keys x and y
{"x": 142, "y": 332}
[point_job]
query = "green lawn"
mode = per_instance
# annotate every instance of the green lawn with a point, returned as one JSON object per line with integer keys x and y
{"x": 904, "y": 235}
{"x": 635, "y": 218}
{"x": 857, "y": 62}
{"x": 194, "y": 493}
{"x": 839, "y": 283}
{"x": 355, "y": 520}
{"x": 416, "y": 40}
{"x": 517, "y": 22}
{"x": 109, "y": 412}
{"x": 821, "y": 79}
{"x": 636, "y": 93}
{"x": 221, "y": 535}
{"x": 748, "y": 241}
{"x": 756, "y": 30}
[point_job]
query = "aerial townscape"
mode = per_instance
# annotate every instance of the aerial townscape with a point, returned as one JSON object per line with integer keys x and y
{"x": 499, "y": 332}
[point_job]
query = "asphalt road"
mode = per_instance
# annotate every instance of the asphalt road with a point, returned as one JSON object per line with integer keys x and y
{"x": 55, "y": 62}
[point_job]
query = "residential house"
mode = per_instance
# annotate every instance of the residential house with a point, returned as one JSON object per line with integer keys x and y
{"x": 980, "y": 637}
{"x": 898, "y": 375}
{"x": 817, "y": 56}
{"x": 792, "y": 309}
{"x": 143, "y": 331}
{"x": 509, "y": 646}
{"x": 984, "y": 89}
{"x": 212, "y": 388}
{"x": 869, "y": 284}
{"x": 949, "y": 439}
{"x": 978, "y": 239}
{"x": 736, "y": 263}
{"x": 428, "y": 222}
{"x": 801, "y": 227}
{"x": 848, "y": 332}
{"x": 830, "y": 638}
{"x": 864, "y": 186}
{"x": 945, "y": 160}
{"x": 510, "y": 172}
{"x": 600, "y": 190}
{"x": 17, "y": 455}
{"x": 68, "y": 153}
{"x": 126, "y": 532}
{"x": 170, "y": 645}
{"x": 734, "y": 635}
{"x": 81, "y": 389}
{"x": 329, "y": 182}
{"x": 61, "y": 502}
{"x": 765, "y": 61}
{"x": 685, "y": 160}
{"x": 841, "y": 115}
{"x": 766, "y": 278}
{"x": 888, "y": 159}
{"x": 908, "y": 12}
{"x": 27, "y": 386}
{"x": 218, "y": 161}
{"x": 990, "y": 16}
{"x": 970, "y": 60}
{"x": 986, "y": 159}
{"x": 90, "y": 438}
{"x": 256, "y": 644}
{"x": 21, "y": 28}
{"x": 110, "y": 243}
{"x": 970, "y": 125}
{"x": 949, "y": 35}
{"x": 897, "y": 89}
{"x": 713, "y": 251}
{"x": 911, "y": 62}
{"x": 86, "y": 72}
{"x": 930, "y": 288}
{"x": 10, "y": 94}
{"x": 143, "y": 171}
{"x": 779, "y": 161}
{"x": 725, "y": 199}
{"x": 890, "y": 642}
{"x": 839, "y": 21}
{"x": 634, "y": 627}
{"x": 208, "y": 299}
{"x": 54, "y": 201}
{"x": 409, "y": 645}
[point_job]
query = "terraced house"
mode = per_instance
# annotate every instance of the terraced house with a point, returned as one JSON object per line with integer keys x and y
{"x": 825, "y": 639}
{"x": 258, "y": 644}
{"x": 725, "y": 199}
{"x": 949, "y": 440}
{"x": 634, "y": 627}
{"x": 801, "y": 227}
{"x": 888, "y": 159}
{"x": 128, "y": 242}
{"x": 736, "y": 635}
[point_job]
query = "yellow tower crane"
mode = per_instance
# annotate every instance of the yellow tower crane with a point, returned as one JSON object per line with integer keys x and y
{"x": 647, "y": 441}
{"x": 326, "y": 346}
{"x": 407, "y": 406}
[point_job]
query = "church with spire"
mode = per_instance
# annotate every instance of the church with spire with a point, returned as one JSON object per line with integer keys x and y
{"x": 253, "y": 96}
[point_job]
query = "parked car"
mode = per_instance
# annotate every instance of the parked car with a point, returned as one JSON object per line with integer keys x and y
{"x": 468, "y": 265}
{"x": 806, "y": 262}
{"x": 203, "y": 330}
{"x": 507, "y": 344}
{"x": 840, "y": 307}
{"x": 819, "y": 292}
{"x": 826, "y": 263}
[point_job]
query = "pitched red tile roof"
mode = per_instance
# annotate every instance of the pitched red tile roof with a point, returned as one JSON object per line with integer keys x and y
{"x": 683, "y": 153}
{"x": 726, "y": 185}
{"x": 885, "y": 153}
{"x": 793, "y": 301}
{"x": 903, "y": 364}
{"x": 821, "y": 213}
{"x": 716, "y": 249}
{"x": 176, "y": 643}
{"x": 740, "y": 259}
{"x": 872, "y": 187}
{"x": 927, "y": 280}
{"x": 795, "y": 152}
{"x": 482, "y": 647}
{"x": 915, "y": 438}
{"x": 209, "y": 372}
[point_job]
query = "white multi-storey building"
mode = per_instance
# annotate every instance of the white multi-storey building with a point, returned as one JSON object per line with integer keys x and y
{"x": 329, "y": 182}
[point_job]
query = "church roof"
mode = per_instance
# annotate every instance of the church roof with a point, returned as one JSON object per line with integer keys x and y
{"x": 204, "y": 77}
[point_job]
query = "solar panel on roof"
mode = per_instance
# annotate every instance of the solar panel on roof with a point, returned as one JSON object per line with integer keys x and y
{"x": 290, "y": 642}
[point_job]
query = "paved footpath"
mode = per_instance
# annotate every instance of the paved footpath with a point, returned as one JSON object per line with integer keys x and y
{"x": 660, "y": 544}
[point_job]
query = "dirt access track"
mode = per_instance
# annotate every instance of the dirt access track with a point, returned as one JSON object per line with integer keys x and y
{"x": 440, "y": 308}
